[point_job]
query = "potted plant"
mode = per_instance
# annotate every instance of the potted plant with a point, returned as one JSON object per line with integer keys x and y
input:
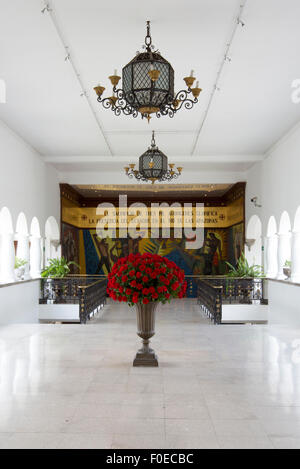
{"x": 287, "y": 269}
{"x": 144, "y": 281}
{"x": 20, "y": 268}
{"x": 244, "y": 270}
{"x": 57, "y": 268}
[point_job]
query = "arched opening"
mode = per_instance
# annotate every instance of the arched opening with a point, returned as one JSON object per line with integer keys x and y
{"x": 253, "y": 241}
{"x": 296, "y": 227}
{"x": 35, "y": 228}
{"x": 272, "y": 245}
{"x": 35, "y": 249}
{"x": 295, "y": 254}
{"x": 285, "y": 223}
{"x": 21, "y": 226}
{"x": 6, "y": 224}
{"x": 52, "y": 239}
{"x": 284, "y": 244}
{"x": 22, "y": 248}
{"x": 2, "y": 91}
{"x": 272, "y": 226}
{"x": 7, "y": 248}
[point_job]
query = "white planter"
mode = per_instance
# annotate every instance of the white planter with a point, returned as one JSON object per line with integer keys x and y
{"x": 19, "y": 273}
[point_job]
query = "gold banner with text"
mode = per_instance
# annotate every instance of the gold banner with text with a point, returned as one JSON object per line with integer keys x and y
{"x": 154, "y": 217}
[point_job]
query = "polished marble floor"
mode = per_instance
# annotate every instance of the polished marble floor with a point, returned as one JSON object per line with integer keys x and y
{"x": 73, "y": 386}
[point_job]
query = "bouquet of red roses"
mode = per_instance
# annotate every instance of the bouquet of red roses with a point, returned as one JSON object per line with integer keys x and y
{"x": 143, "y": 278}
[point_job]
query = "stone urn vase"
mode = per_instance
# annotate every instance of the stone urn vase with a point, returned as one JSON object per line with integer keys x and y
{"x": 145, "y": 315}
{"x": 143, "y": 281}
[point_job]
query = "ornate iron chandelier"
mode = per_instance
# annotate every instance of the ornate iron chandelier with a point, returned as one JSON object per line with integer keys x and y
{"x": 148, "y": 86}
{"x": 153, "y": 166}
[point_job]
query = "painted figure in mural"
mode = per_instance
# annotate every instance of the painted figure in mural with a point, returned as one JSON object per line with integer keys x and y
{"x": 237, "y": 241}
{"x": 70, "y": 248}
{"x": 133, "y": 245}
{"x": 205, "y": 260}
{"x": 111, "y": 250}
{"x": 215, "y": 254}
{"x": 104, "y": 255}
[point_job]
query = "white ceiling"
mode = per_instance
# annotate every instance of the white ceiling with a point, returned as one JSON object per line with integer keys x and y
{"x": 252, "y": 110}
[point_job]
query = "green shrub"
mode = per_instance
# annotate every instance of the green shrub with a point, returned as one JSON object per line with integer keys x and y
{"x": 19, "y": 262}
{"x": 58, "y": 268}
{"x": 243, "y": 269}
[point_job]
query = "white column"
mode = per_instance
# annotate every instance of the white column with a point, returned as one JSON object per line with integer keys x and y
{"x": 264, "y": 254}
{"x": 7, "y": 266}
{"x": 35, "y": 256}
{"x": 47, "y": 250}
{"x": 272, "y": 264}
{"x": 295, "y": 275}
{"x": 42, "y": 244}
{"x": 284, "y": 252}
{"x": 58, "y": 251}
{"x": 23, "y": 252}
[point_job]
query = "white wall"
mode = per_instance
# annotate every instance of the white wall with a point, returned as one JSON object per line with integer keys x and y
{"x": 284, "y": 303}
{"x": 19, "y": 303}
{"x": 27, "y": 184}
{"x": 276, "y": 180}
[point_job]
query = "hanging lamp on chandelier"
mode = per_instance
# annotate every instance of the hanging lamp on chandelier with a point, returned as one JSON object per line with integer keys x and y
{"x": 148, "y": 86}
{"x": 153, "y": 166}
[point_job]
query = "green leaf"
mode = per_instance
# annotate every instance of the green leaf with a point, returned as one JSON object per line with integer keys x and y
{"x": 58, "y": 268}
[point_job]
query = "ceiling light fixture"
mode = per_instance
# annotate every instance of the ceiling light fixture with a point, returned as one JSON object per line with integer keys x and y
{"x": 148, "y": 86}
{"x": 153, "y": 166}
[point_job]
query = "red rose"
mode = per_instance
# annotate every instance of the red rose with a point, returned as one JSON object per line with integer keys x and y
{"x": 135, "y": 299}
{"x": 136, "y": 271}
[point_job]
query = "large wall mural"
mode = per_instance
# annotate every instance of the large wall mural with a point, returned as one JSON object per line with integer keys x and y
{"x": 223, "y": 237}
{"x": 101, "y": 254}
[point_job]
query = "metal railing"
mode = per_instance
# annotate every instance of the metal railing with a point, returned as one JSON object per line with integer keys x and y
{"x": 213, "y": 292}
{"x": 209, "y": 298}
{"x": 91, "y": 297}
{"x": 89, "y": 292}
{"x": 240, "y": 290}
